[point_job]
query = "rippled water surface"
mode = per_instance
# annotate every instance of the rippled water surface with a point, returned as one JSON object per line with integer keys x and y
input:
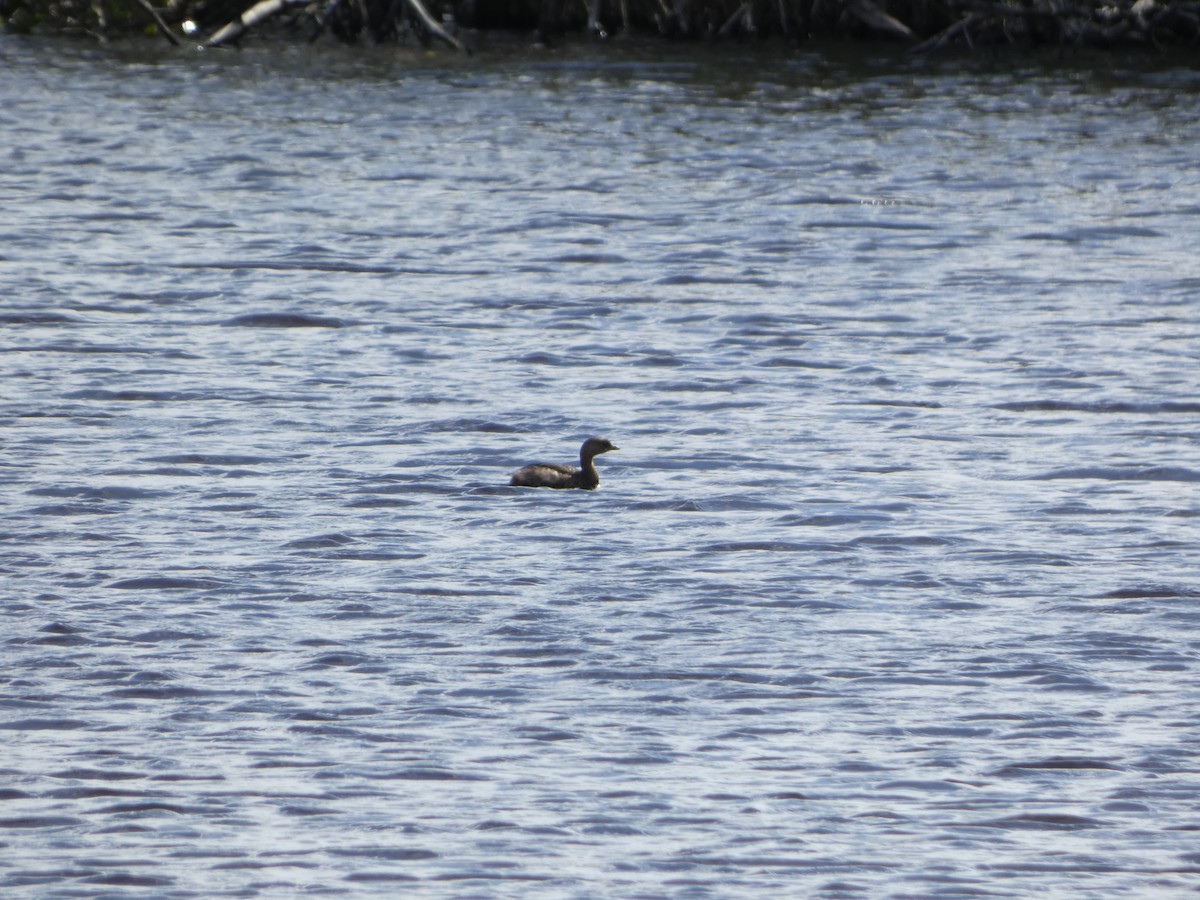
{"x": 890, "y": 591}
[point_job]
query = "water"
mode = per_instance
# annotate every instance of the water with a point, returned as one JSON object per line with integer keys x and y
{"x": 891, "y": 590}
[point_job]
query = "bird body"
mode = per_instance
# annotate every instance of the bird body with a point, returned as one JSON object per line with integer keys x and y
{"x": 561, "y": 476}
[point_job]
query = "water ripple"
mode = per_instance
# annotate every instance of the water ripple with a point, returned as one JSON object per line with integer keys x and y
{"x": 890, "y": 588}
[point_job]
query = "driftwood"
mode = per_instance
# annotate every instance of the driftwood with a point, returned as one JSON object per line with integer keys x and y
{"x": 946, "y": 35}
{"x": 783, "y": 17}
{"x": 874, "y": 17}
{"x": 264, "y": 9}
{"x": 594, "y": 25}
{"x": 434, "y": 27}
{"x": 675, "y": 19}
{"x": 732, "y": 22}
{"x": 742, "y": 14}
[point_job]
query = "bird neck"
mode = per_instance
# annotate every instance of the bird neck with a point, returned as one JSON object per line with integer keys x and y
{"x": 587, "y": 470}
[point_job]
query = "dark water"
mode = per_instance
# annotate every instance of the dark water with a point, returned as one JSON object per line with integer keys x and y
{"x": 891, "y": 590}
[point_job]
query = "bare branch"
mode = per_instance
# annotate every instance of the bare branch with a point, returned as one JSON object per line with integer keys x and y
{"x": 874, "y": 17}
{"x": 160, "y": 22}
{"x": 251, "y": 17}
{"x": 434, "y": 27}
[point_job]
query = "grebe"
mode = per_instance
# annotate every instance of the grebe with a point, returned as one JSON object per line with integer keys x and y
{"x": 555, "y": 475}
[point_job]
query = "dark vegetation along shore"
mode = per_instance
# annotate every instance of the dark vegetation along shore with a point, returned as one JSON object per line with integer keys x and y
{"x": 924, "y": 24}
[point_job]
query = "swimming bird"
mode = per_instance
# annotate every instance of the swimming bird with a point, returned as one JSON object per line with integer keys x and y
{"x": 557, "y": 475}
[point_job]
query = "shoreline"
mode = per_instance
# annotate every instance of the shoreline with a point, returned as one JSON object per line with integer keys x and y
{"x": 914, "y": 26}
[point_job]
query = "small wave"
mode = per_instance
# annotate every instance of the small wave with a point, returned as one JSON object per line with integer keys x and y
{"x": 150, "y": 806}
{"x": 669, "y": 505}
{"x": 924, "y": 786}
{"x": 381, "y": 852}
{"x": 591, "y": 258}
{"x": 209, "y": 459}
{"x": 320, "y": 541}
{"x": 1101, "y": 406}
{"x": 35, "y": 318}
{"x": 102, "y": 349}
{"x": 1122, "y": 473}
{"x": 711, "y": 405}
{"x": 127, "y": 879}
{"x": 115, "y": 492}
{"x": 659, "y": 361}
{"x": 164, "y": 582}
{"x": 73, "y": 509}
{"x": 812, "y": 863}
{"x": 118, "y": 216}
{"x": 430, "y": 773}
{"x": 1095, "y": 233}
{"x": 882, "y": 224}
{"x": 770, "y": 547}
{"x": 59, "y": 628}
{"x": 81, "y": 774}
{"x": 283, "y": 320}
{"x": 903, "y": 404}
{"x": 542, "y": 358}
{"x": 135, "y": 396}
{"x": 161, "y": 635}
{"x": 687, "y": 280}
{"x": 338, "y": 660}
{"x": 791, "y": 362}
{"x": 1150, "y": 592}
{"x": 743, "y": 504}
{"x": 539, "y": 733}
{"x": 149, "y": 692}
{"x": 60, "y": 640}
{"x": 1061, "y": 682}
{"x": 44, "y": 725}
{"x": 1038, "y": 822}
{"x": 1022, "y": 557}
{"x": 830, "y": 520}
{"x": 40, "y": 822}
{"x": 887, "y": 541}
{"x": 487, "y": 426}
{"x": 1059, "y": 762}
